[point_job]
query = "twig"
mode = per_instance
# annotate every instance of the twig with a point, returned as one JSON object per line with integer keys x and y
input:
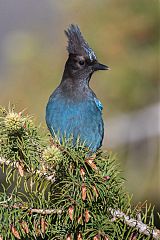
{"x": 32, "y": 210}
{"x": 139, "y": 225}
{"x": 45, "y": 211}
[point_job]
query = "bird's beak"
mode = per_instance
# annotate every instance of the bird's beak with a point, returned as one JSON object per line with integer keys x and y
{"x": 98, "y": 66}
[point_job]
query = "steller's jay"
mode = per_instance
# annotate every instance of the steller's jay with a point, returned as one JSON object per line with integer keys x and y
{"x": 73, "y": 108}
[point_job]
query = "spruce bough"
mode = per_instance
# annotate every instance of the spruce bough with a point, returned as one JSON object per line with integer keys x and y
{"x": 57, "y": 191}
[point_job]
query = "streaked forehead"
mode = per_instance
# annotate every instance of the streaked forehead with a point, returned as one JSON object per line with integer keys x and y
{"x": 90, "y": 53}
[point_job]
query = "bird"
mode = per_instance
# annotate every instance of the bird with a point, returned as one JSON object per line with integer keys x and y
{"x": 73, "y": 108}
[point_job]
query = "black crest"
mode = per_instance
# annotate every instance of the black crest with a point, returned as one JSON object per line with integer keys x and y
{"x": 77, "y": 44}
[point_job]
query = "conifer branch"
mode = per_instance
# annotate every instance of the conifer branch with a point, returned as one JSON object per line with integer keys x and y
{"x": 116, "y": 214}
{"x": 139, "y": 225}
{"x": 48, "y": 177}
{"x": 59, "y": 193}
{"x": 32, "y": 210}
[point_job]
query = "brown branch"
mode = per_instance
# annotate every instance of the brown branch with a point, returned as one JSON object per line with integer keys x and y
{"x": 31, "y": 210}
{"x": 139, "y": 225}
{"x": 45, "y": 211}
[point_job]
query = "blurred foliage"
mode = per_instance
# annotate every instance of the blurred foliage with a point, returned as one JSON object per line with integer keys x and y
{"x": 122, "y": 33}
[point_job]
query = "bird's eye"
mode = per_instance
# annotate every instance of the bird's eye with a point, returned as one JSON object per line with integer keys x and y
{"x": 81, "y": 62}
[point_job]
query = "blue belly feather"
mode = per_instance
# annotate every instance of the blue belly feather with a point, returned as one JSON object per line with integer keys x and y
{"x": 65, "y": 117}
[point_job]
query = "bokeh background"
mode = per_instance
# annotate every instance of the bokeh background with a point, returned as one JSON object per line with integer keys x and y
{"x": 124, "y": 35}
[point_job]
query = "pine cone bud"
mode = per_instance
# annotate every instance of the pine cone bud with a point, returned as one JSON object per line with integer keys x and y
{"x": 106, "y": 238}
{"x": 70, "y": 211}
{"x": 79, "y": 236}
{"x": 97, "y": 237}
{"x": 96, "y": 191}
{"x": 106, "y": 178}
{"x": 82, "y": 172}
{"x": 69, "y": 237}
{"x": 84, "y": 191}
{"x": 87, "y": 216}
{"x": 15, "y": 232}
{"x": 80, "y": 219}
{"x": 25, "y": 227}
{"x": 14, "y": 122}
{"x": 91, "y": 163}
{"x": 52, "y": 154}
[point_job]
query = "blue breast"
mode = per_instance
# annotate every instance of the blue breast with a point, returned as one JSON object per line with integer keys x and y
{"x": 78, "y": 118}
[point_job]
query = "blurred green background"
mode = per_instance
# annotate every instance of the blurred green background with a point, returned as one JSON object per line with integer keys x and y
{"x": 124, "y": 35}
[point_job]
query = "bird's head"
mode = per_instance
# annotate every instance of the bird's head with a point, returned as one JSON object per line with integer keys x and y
{"x": 82, "y": 61}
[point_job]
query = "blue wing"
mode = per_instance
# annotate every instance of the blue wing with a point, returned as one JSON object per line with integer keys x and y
{"x": 98, "y": 104}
